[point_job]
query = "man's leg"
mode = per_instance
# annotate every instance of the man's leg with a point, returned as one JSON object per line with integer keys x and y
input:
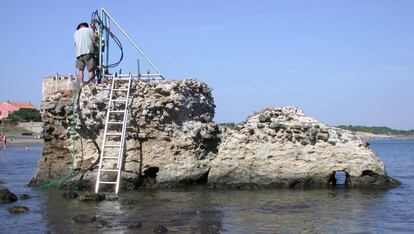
{"x": 91, "y": 74}
{"x": 91, "y": 65}
{"x": 80, "y": 65}
{"x": 80, "y": 77}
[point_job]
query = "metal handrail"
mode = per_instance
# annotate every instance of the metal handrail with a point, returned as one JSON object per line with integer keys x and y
{"x": 106, "y": 13}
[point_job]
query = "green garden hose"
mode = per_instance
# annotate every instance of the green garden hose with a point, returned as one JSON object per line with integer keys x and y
{"x": 70, "y": 172}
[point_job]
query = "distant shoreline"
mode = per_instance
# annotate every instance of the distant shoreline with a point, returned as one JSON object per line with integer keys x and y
{"x": 370, "y": 136}
{"x": 15, "y": 141}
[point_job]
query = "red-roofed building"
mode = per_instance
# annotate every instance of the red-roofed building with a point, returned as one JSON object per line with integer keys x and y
{"x": 8, "y": 107}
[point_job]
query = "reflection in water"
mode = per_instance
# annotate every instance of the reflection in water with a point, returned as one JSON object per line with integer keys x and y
{"x": 181, "y": 211}
{"x": 202, "y": 210}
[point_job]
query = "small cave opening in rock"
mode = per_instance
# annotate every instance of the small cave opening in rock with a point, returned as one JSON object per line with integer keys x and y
{"x": 148, "y": 178}
{"x": 368, "y": 173}
{"x": 203, "y": 178}
{"x": 339, "y": 179}
{"x": 151, "y": 172}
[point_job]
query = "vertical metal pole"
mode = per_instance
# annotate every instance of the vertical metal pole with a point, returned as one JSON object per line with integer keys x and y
{"x": 106, "y": 26}
{"x": 130, "y": 40}
{"x": 138, "y": 70}
{"x": 102, "y": 72}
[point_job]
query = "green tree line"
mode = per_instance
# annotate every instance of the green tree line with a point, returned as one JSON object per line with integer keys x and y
{"x": 23, "y": 115}
{"x": 377, "y": 130}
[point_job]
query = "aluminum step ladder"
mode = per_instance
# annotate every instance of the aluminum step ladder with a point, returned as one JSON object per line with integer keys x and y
{"x": 113, "y": 143}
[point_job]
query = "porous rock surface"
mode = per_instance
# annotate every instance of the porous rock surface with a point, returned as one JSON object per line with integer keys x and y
{"x": 173, "y": 141}
{"x": 281, "y": 147}
{"x": 175, "y": 116}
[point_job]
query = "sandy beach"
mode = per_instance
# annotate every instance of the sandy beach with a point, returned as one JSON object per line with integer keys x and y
{"x": 18, "y": 140}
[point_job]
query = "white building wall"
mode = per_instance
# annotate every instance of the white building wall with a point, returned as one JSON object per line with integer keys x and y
{"x": 53, "y": 84}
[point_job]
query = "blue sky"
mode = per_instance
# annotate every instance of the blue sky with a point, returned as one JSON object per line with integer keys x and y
{"x": 342, "y": 62}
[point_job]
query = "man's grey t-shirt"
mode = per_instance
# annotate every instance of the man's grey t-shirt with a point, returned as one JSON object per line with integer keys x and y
{"x": 83, "y": 41}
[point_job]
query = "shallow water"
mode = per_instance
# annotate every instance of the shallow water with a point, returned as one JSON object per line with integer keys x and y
{"x": 201, "y": 210}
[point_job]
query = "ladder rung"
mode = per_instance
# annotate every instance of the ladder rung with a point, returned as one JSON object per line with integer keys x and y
{"x": 116, "y": 122}
{"x": 120, "y": 89}
{"x": 121, "y": 108}
{"x": 122, "y": 78}
{"x": 111, "y": 170}
{"x": 112, "y": 146}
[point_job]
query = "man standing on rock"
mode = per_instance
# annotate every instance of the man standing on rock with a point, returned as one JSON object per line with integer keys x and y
{"x": 84, "y": 38}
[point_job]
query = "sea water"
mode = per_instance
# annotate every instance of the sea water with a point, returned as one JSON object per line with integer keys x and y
{"x": 202, "y": 210}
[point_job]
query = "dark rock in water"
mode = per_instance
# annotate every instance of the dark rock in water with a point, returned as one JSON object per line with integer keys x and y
{"x": 25, "y": 196}
{"x": 135, "y": 225}
{"x": 130, "y": 202}
{"x": 111, "y": 197}
{"x": 374, "y": 180}
{"x": 102, "y": 224}
{"x": 18, "y": 209}
{"x": 83, "y": 218}
{"x": 88, "y": 196}
{"x": 6, "y": 196}
{"x": 160, "y": 229}
{"x": 213, "y": 229}
{"x": 70, "y": 194}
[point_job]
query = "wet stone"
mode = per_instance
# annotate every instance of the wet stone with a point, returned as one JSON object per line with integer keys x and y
{"x": 103, "y": 224}
{"x": 70, "y": 194}
{"x": 6, "y": 196}
{"x": 130, "y": 202}
{"x": 84, "y": 218}
{"x": 160, "y": 229}
{"x": 88, "y": 196}
{"x": 25, "y": 196}
{"x": 111, "y": 197}
{"x": 135, "y": 225}
{"x": 18, "y": 209}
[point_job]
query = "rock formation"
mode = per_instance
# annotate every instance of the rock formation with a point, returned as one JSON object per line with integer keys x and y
{"x": 282, "y": 147}
{"x": 6, "y": 196}
{"x": 172, "y": 141}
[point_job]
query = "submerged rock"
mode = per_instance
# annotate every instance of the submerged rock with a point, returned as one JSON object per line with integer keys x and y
{"x": 70, "y": 194}
{"x": 130, "y": 202}
{"x": 90, "y": 196}
{"x": 6, "y": 196}
{"x": 84, "y": 218}
{"x": 18, "y": 209}
{"x": 160, "y": 229}
{"x": 135, "y": 225}
{"x": 103, "y": 224}
{"x": 111, "y": 197}
{"x": 25, "y": 196}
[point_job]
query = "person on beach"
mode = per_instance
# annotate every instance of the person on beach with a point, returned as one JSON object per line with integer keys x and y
{"x": 4, "y": 142}
{"x": 1, "y": 138}
{"x": 84, "y": 38}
